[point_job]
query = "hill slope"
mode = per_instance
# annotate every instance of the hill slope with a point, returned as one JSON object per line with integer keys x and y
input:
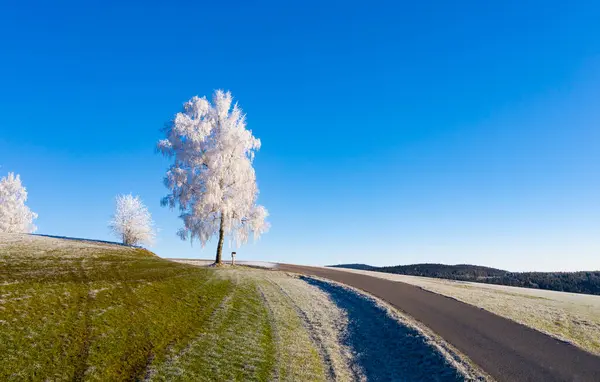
{"x": 79, "y": 310}
{"x": 83, "y": 310}
{"x": 455, "y": 272}
{"x": 363, "y": 267}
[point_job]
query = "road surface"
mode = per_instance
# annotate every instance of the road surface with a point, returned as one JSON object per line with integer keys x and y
{"x": 506, "y": 350}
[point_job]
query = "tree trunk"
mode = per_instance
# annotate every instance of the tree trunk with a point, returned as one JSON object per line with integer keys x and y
{"x": 220, "y": 245}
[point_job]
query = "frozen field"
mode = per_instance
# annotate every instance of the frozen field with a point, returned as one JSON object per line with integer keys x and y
{"x": 84, "y": 310}
{"x": 569, "y": 316}
{"x": 357, "y": 336}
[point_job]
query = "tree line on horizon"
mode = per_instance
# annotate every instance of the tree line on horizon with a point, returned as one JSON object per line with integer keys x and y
{"x": 587, "y": 282}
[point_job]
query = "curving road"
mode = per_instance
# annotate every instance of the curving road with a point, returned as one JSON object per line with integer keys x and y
{"x": 506, "y": 350}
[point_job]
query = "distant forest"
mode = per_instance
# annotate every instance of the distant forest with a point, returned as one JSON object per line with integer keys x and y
{"x": 575, "y": 282}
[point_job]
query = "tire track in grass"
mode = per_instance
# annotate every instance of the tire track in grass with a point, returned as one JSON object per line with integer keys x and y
{"x": 297, "y": 354}
{"x": 327, "y": 325}
{"x": 317, "y": 342}
{"x": 248, "y": 344}
{"x": 170, "y": 352}
{"x": 277, "y": 372}
{"x": 237, "y": 344}
{"x": 137, "y": 368}
{"x": 84, "y": 301}
{"x": 171, "y": 361}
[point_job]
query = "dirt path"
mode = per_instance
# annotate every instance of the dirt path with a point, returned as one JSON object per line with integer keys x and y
{"x": 506, "y": 350}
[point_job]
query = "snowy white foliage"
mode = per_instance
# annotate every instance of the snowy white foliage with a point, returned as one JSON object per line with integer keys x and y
{"x": 132, "y": 221}
{"x": 15, "y": 216}
{"x": 212, "y": 178}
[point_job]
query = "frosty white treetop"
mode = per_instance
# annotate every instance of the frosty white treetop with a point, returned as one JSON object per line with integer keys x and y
{"x": 15, "y": 216}
{"x": 212, "y": 178}
{"x": 132, "y": 221}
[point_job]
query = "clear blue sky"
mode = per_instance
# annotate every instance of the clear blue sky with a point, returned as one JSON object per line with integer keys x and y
{"x": 393, "y": 133}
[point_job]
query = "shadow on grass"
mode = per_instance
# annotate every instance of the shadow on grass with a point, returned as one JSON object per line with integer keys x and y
{"x": 385, "y": 349}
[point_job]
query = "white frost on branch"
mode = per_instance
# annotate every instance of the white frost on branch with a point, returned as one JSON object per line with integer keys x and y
{"x": 212, "y": 178}
{"x": 15, "y": 216}
{"x": 132, "y": 221}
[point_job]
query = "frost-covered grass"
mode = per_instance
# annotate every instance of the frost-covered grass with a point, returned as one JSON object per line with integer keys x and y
{"x": 293, "y": 308}
{"x": 77, "y": 310}
{"x": 82, "y": 310}
{"x": 388, "y": 345}
{"x": 357, "y": 337}
{"x": 569, "y": 316}
{"x": 74, "y": 310}
{"x": 324, "y": 321}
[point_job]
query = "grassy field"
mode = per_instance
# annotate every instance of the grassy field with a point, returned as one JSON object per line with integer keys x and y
{"x": 568, "y": 316}
{"x": 72, "y": 310}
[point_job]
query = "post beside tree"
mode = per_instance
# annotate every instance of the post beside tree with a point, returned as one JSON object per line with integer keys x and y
{"x": 212, "y": 180}
{"x": 232, "y": 258}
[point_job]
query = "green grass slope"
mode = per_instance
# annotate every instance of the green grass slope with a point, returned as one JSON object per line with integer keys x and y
{"x": 73, "y": 310}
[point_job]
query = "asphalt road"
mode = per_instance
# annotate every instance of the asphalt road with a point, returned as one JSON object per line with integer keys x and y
{"x": 506, "y": 350}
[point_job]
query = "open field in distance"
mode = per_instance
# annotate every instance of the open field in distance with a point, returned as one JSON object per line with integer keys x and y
{"x": 571, "y": 317}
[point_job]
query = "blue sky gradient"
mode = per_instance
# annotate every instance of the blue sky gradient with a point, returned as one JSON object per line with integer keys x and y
{"x": 392, "y": 132}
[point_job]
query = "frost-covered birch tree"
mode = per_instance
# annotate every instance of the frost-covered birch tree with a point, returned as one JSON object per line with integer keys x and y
{"x": 211, "y": 177}
{"x": 15, "y": 216}
{"x": 132, "y": 222}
